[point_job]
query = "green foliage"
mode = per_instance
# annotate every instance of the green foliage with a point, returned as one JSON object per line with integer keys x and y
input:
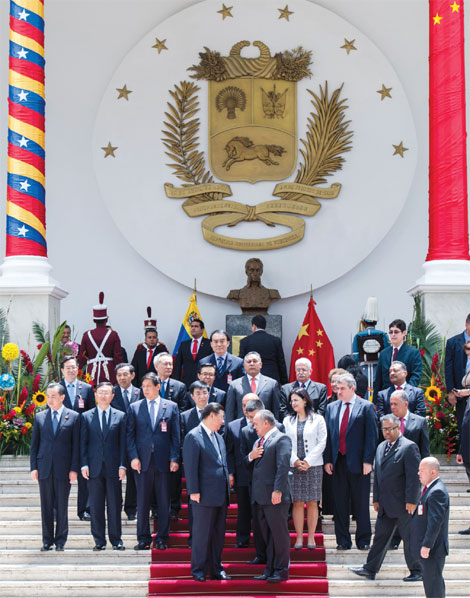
{"x": 423, "y": 335}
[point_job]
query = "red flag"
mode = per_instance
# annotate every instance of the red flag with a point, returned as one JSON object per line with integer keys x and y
{"x": 313, "y": 343}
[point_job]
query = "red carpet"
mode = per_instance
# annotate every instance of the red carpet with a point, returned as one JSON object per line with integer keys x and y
{"x": 170, "y": 571}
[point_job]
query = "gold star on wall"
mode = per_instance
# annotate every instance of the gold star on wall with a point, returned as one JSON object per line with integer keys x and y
{"x": 455, "y": 7}
{"x": 285, "y": 12}
{"x": 319, "y": 332}
{"x": 225, "y": 11}
{"x": 311, "y": 352}
{"x": 437, "y": 19}
{"x": 384, "y": 92}
{"x": 123, "y": 92}
{"x": 399, "y": 149}
{"x": 109, "y": 150}
{"x": 160, "y": 45}
{"x": 349, "y": 45}
{"x": 319, "y": 344}
{"x": 300, "y": 351}
{"x": 303, "y": 332}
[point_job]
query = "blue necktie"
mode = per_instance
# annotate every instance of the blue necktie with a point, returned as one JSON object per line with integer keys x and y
{"x": 216, "y": 445}
{"x": 220, "y": 365}
{"x": 152, "y": 414}
{"x": 104, "y": 423}
{"x": 163, "y": 389}
{"x": 126, "y": 399}
{"x": 55, "y": 422}
{"x": 72, "y": 396}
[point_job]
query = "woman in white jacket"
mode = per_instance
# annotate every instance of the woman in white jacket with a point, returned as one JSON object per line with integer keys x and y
{"x": 307, "y": 430}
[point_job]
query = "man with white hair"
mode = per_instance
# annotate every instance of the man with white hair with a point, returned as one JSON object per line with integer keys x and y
{"x": 318, "y": 392}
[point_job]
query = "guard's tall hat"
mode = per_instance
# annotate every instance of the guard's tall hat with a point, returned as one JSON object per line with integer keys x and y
{"x": 100, "y": 312}
{"x": 149, "y": 323}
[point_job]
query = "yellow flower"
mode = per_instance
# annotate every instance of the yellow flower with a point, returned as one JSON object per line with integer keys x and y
{"x": 433, "y": 393}
{"x": 18, "y": 410}
{"x": 28, "y": 425}
{"x": 39, "y": 399}
{"x": 87, "y": 378}
{"x": 10, "y": 351}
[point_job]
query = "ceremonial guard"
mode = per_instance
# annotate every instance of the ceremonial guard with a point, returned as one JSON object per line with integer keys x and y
{"x": 146, "y": 351}
{"x": 100, "y": 348}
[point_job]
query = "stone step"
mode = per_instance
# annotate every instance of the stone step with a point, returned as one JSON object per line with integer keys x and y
{"x": 355, "y": 558}
{"x": 79, "y": 589}
{"x": 364, "y": 588}
{"x": 71, "y": 557}
{"x": 125, "y": 571}
{"x": 395, "y": 571}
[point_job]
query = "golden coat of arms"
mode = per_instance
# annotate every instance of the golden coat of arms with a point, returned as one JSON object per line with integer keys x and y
{"x": 253, "y": 137}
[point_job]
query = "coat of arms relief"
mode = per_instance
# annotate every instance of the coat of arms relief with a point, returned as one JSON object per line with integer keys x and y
{"x": 252, "y": 135}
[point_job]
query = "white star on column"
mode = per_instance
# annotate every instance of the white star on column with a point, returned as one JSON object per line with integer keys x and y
{"x": 22, "y": 53}
{"x": 23, "y": 142}
{"x": 23, "y": 96}
{"x": 22, "y": 231}
{"x": 24, "y": 185}
{"x": 23, "y": 15}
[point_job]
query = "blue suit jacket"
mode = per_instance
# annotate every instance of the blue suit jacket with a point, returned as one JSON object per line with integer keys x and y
{"x": 455, "y": 363}
{"x": 140, "y": 437}
{"x": 431, "y": 529}
{"x": 55, "y": 455}
{"x": 410, "y": 356}
{"x": 215, "y": 396}
{"x": 417, "y": 431}
{"x": 84, "y": 391}
{"x": 97, "y": 450}
{"x": 133, "y": 395}
{"x": 416, "y": 403}
{"x": 233, "y": 367}
{"x": 236, "y": 461}
{"x": 361, "y": 434}
{"x": 206, "y": 473}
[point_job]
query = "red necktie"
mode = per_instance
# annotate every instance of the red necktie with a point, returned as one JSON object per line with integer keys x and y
{"x": 399, "y": 388}
{"x": 424, "y": 490}
{"x": 395, "y": 351}
{"x": 253, "y": 385}
{"x": 402, "y": 425}
{"x": 342, "y": 430}
{"x": 149, "y": 358}
{"x": 194, "y": 349}
{"x": 261, "y": 441}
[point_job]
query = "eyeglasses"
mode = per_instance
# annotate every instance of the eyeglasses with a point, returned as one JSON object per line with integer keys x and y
{"x": 395, "y": 332}
{"x": 387, "y": 430}
{"x": 466, "y": 348}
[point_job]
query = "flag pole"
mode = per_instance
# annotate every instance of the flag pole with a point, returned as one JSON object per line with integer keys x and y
{"x": 195, "y": 290}
{"x": 311, "y": 291}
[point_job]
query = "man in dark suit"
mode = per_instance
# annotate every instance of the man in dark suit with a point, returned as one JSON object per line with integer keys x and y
{"x": 397, "y": 375}
{"x": 457, "y": 363}
{"x": 429, "y": 528}
{"x": 80, "y": 397}
{"x": 228, "y": 367}
{"x": 208, "y": 485}
{"x": 190, "y": 354}
{"x": 396, "y": 492}
{"x": 240, "y": 474}
{"x": 269, "y": 347}
{"x": 206, "y": 373}
{"x": 146, "y": 352}
{"x": 398, "y": 350}
{"x": 153, "y": 446}
{"x": 248, "y": 439}
{"x": 348, "y": 457}
{"x": 318, "y": 392}
{"x": 266, "y": 388}
{"x": 54, "y": 461}
{"x": 126, "y": 393}
{"x": 102, "y": 460}
{"x": 270, "y": 494}
{"x": 463, "y": 456}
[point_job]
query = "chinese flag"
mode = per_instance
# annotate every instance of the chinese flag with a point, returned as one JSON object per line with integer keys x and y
{"x": 313, "y": 343}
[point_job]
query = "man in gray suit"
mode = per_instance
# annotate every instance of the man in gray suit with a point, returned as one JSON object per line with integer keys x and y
{"x": 317, "y": 391}
{"x": 396, "y": 493}
{"x": 266, "y": 388}
{"x": 270, "y": 494}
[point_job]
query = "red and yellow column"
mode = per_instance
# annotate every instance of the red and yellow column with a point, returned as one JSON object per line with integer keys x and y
{"x": 26, "y": 207}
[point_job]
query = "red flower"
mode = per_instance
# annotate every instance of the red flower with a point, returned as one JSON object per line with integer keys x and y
{"x": 29, "y": 367}
{"x": 440, "y": 415}
{"x": 24, "y": 430}
{"x": 434, "y": 362}
{"x": 30, "y": 409}
{"x": 24, "y": 394}
{"x": 446, "y": 405}
{"x": 422, "y": 352}
{"x": 80, "y": 373}
{"x": 437, "y": 425}
{"x": 38, "y": 346}
{"x": 10, "y": 415}
{"x": 36, "y": 382}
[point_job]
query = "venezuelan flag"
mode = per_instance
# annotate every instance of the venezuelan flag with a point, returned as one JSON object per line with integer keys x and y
{"x": 192, "y": 313}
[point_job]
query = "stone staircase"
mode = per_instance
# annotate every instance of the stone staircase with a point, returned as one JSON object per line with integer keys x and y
{"x": 79, "y": 572}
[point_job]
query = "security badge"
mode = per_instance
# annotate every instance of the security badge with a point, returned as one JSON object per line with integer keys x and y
{"x": 420, "y": 509}
{"x": 229, "y": 378}
{"x": 164, "y": 425}
{"x": 81, "y": 403}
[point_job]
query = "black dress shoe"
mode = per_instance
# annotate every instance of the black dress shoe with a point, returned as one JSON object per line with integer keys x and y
{"x": 154, "y": 516}
{"x": 465, "y": 532}
{"x": 241, "y": 545}
{"x": 364, "y": 547}
{"x": 160, "y": 545}
{"x": 362, "y": 572}
{"x": 131, "y": 516}
{"x": 199, "y": 578}
{"x": 413, "y": 577}
{"x": 85, "y": 516}
{"x": 119, "y": 546}
{"x": 393, "y": 546}
{"x": 98, "y": 547}
{"x": 257, "y": 561}
{"x": 343, "y": 547}
{"x": 59, "y": 548}
{"x": 262, "y": 577}
{"x": 46, "y": 547}
{"x": 278, "y": 577}
{"x": 221, "y": 575}
{"x": 142, "y": 546}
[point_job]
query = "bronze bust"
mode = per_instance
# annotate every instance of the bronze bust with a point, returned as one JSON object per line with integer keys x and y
{"x": 254, "y": 298}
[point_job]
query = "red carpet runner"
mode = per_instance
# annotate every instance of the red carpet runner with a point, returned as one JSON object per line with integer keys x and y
{"x": 170, "y": 571}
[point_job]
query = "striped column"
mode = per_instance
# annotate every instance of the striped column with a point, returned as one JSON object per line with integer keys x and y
{"x": 26, "y": 206}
